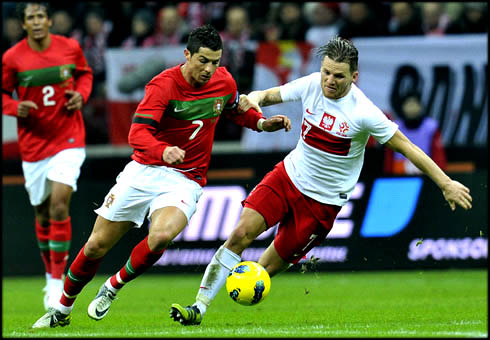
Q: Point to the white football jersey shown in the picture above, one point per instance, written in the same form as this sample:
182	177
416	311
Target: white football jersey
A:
327	161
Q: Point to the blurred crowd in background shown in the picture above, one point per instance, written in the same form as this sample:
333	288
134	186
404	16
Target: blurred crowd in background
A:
101	25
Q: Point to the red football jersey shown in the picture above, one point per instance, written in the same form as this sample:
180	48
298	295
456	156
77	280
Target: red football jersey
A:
43	77
173	113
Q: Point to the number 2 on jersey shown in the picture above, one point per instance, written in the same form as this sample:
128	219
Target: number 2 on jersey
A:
199	124
48	92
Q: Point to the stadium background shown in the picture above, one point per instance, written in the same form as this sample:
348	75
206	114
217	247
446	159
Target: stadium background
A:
390	223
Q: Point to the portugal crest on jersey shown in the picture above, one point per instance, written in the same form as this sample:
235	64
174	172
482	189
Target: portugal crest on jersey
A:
65	72
218	105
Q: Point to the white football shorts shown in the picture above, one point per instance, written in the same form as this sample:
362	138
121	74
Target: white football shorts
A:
64	167
141	189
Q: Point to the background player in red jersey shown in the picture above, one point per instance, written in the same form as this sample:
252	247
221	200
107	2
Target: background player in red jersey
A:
172	137
52	81
305	191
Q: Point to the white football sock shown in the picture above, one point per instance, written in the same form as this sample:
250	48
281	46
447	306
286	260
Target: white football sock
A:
109	285
62	308
55	291
215	277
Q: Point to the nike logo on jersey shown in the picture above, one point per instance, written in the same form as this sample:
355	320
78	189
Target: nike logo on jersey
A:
179	110
308	111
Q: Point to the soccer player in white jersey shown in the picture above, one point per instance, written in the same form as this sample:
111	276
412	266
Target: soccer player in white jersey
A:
306	190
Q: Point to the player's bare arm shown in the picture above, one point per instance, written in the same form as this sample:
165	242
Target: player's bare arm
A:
173	155
454	192
75	100
24	107
266	97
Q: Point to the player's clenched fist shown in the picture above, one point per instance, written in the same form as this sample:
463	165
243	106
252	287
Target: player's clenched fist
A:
173	155
24	107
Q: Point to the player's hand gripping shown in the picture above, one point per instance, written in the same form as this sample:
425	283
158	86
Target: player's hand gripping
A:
75	100
276	122
173	155
24	107
456	193
245	104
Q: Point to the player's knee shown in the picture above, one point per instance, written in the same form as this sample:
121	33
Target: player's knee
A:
159	240
58	211
95	248
242	236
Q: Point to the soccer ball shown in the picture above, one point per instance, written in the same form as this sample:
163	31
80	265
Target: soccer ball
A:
248	283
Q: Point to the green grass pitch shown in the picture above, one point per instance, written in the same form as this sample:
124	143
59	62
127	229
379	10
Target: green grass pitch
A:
442	303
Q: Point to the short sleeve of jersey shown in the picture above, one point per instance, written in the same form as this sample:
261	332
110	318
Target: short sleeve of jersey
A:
378	125
294	90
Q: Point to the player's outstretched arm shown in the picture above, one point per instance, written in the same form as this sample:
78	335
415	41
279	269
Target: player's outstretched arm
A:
454	192
266	97
255	99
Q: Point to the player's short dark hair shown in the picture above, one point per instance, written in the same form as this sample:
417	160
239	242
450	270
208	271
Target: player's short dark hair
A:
204	36
340	50
21	9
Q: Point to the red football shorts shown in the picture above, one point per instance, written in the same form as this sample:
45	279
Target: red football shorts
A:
303	222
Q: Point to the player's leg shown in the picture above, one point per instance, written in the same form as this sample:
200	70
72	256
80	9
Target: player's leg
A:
250	225
173	202
42	228
59	236
62	172
104	236
264	207
166	224
272	261
38	189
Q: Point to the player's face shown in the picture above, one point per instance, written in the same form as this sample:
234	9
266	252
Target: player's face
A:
336	78
36	22
202	65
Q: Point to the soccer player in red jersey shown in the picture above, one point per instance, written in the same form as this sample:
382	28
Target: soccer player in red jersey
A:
172	137
52	80
305	191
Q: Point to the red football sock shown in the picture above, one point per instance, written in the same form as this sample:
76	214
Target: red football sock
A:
140	260
81	272
42	234
59	245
